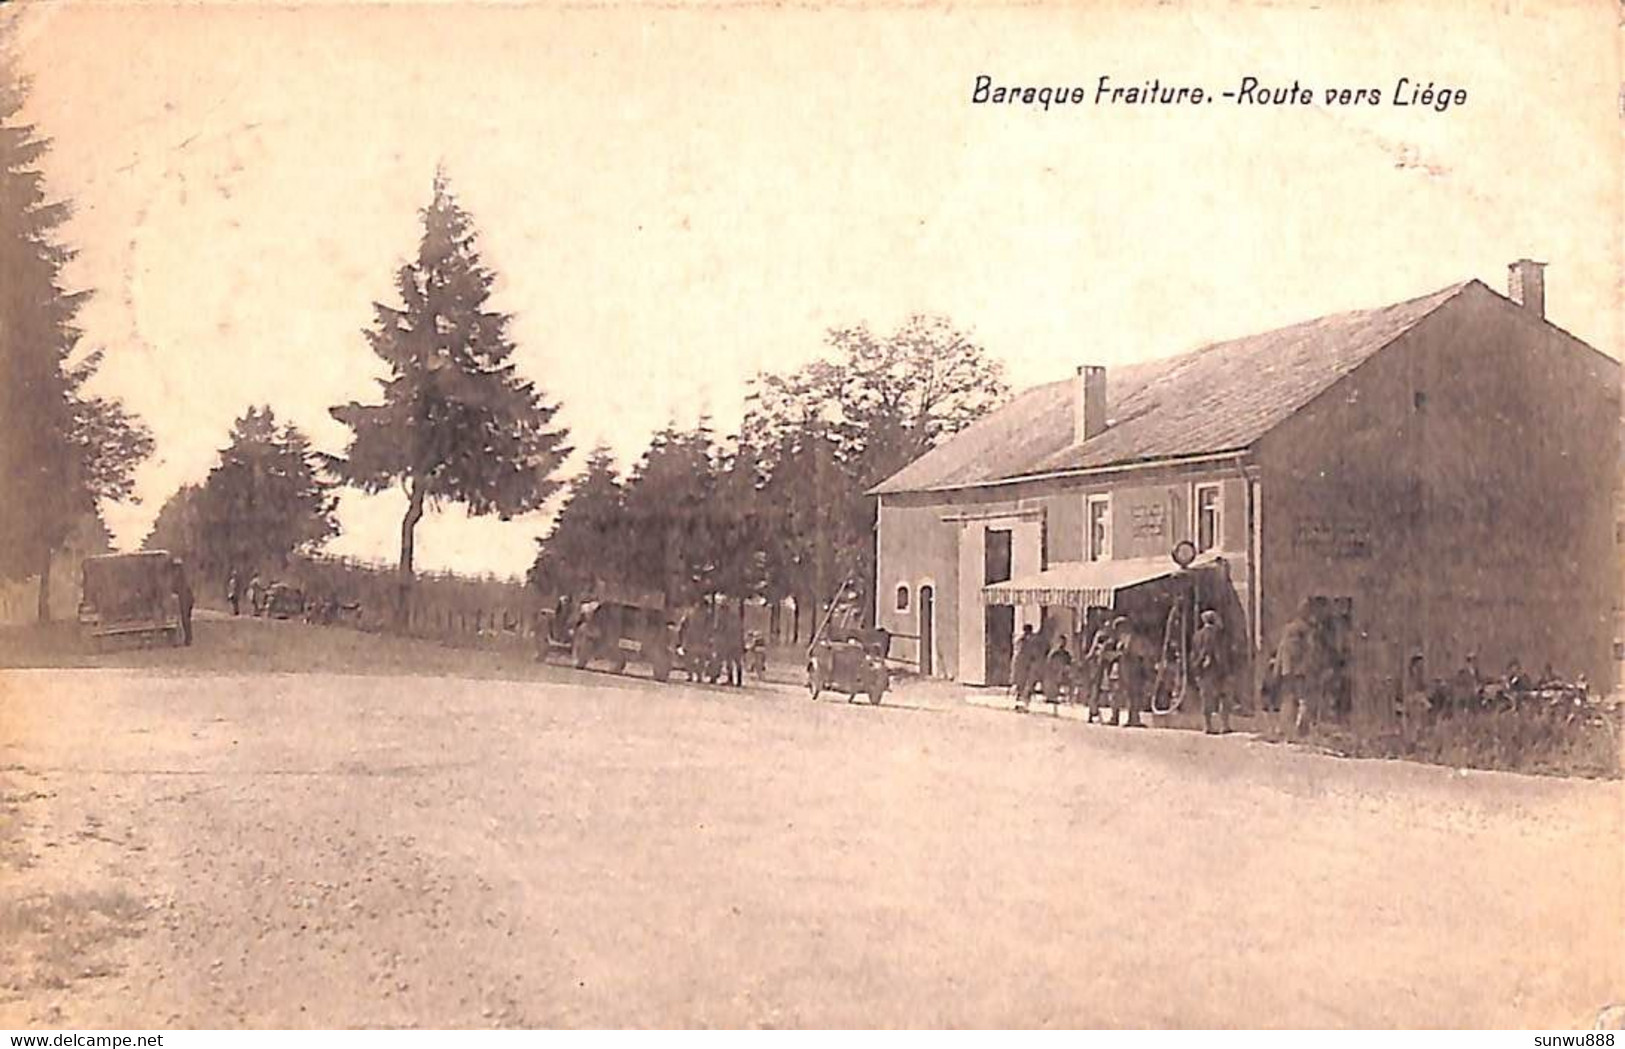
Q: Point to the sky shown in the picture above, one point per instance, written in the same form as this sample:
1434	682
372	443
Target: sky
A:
676	197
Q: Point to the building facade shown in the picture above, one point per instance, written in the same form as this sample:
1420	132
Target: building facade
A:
1436	476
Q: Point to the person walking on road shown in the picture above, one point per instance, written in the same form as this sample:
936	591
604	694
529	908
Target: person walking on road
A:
234	591
1208	659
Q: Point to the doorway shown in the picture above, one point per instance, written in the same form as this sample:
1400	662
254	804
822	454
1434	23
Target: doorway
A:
1000	638
1001	641
928	629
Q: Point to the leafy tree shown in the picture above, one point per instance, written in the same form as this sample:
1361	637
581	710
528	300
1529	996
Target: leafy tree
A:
62	449
588	538
842	424
456	423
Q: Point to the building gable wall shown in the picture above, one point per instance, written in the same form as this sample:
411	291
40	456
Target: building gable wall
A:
1455	487
1521	435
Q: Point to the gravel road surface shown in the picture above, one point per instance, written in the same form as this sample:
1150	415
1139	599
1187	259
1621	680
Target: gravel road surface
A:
269	849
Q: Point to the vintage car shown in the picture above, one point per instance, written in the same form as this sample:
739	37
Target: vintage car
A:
284	601
131	595
851	662
615	625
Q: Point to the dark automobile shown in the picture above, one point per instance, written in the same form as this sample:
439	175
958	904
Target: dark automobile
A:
616	625
851	662
130	595
284	601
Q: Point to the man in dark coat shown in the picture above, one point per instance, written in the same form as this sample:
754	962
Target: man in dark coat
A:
1129	652
731	645
183	592
1209	660
1024	665
1057	670
234	591
1097	665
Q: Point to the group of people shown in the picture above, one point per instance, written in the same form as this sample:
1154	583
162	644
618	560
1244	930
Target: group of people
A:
1469	691
255	593
262	598
710	644
1117	666
1299	677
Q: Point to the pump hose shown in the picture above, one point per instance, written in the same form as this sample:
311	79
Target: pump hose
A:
1174	623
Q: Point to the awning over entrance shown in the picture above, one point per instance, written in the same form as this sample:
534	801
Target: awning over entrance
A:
1079	584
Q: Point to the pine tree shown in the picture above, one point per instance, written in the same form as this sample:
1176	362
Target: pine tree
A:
457	423
588	539
60	449
265	500
177	529
671	545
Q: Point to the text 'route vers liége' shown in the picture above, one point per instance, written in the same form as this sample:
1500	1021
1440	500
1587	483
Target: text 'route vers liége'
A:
1251	91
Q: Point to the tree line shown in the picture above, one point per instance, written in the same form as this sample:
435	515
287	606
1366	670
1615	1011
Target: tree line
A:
778	510
775	510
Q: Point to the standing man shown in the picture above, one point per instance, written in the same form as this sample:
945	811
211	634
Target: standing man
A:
183	592
1023	666
1057	670
731	635
1208	658
1297	673
1097	666
234	590
256	594
1130	673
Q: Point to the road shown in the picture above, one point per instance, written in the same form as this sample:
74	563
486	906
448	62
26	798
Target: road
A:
548	848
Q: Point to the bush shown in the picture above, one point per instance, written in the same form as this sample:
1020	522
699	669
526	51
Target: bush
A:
1543	739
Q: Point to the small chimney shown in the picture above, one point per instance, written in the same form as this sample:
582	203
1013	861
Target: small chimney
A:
1088	403
1526	285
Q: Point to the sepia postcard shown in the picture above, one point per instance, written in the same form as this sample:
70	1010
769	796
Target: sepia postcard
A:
1086	515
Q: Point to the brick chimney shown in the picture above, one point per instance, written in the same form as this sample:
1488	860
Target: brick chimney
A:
1526	285
1088	403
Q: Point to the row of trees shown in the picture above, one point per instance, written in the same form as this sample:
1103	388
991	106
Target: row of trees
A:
62	448
779	509
266	499
775	510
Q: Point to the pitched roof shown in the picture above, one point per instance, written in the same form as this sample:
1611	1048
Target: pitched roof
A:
1220	398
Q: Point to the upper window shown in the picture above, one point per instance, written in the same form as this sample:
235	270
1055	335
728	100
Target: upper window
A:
1099	518
1209	517
902	599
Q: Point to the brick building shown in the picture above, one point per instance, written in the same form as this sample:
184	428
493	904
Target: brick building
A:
1440	471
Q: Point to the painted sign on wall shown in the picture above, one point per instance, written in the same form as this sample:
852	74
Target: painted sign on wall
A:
1341	538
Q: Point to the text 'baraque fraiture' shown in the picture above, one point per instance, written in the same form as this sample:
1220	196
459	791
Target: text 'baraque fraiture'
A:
1251	91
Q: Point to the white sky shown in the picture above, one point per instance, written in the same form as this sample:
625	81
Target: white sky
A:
676	197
